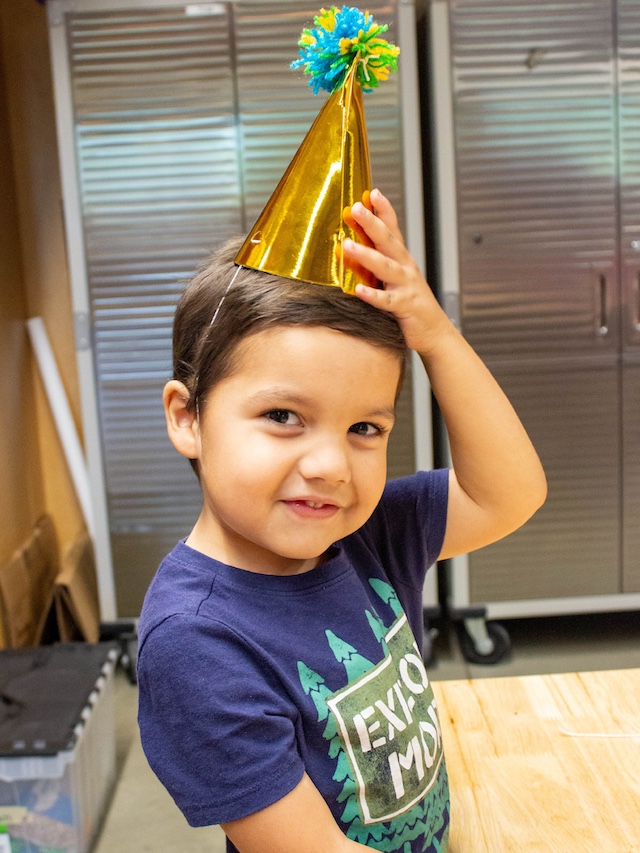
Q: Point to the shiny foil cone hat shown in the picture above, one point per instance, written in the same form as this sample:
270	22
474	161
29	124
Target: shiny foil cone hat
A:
300	232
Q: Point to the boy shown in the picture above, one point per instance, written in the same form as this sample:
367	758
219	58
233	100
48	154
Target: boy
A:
282	692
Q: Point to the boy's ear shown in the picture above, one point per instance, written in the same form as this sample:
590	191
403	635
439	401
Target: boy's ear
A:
182	425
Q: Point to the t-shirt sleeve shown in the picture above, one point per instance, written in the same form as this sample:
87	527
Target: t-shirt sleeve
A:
407	529
215	727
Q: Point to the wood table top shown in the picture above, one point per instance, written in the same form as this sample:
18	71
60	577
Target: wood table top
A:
543	762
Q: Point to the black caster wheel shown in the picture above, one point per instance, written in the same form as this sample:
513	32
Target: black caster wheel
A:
488	645
428	653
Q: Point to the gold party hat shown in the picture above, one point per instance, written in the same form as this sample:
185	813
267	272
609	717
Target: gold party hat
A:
300	232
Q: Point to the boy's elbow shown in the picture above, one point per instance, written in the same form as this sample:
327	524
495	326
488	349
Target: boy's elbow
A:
509	518
536	493
543	490
523	499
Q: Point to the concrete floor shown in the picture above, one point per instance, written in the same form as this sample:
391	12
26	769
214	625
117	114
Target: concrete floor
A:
142	818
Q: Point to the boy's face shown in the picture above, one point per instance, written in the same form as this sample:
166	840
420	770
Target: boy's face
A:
292	448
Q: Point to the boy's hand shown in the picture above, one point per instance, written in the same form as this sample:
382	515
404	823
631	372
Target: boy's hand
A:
405	292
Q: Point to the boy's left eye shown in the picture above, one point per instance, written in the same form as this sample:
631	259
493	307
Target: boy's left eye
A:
366	429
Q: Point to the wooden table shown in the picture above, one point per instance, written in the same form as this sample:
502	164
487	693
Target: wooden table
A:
518	783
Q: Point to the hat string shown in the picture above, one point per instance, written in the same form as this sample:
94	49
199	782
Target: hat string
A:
224	296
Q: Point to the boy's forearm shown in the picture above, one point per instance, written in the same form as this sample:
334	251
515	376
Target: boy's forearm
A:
498	479
300	821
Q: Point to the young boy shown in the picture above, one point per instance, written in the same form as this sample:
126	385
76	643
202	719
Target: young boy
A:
282	691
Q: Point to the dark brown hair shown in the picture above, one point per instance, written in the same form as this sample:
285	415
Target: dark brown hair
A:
204	352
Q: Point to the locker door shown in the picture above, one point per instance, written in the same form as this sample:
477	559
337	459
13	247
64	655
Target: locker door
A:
629	133
534	113
571	546
534	110
156	146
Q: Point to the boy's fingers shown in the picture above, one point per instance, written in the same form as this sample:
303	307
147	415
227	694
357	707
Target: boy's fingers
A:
350	222
387	240
362	273
384	210
382	252
384	300
382	265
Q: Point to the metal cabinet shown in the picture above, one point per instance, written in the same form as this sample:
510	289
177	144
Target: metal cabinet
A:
537	136
175	122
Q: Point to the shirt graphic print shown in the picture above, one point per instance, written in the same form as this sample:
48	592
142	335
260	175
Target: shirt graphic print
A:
384	734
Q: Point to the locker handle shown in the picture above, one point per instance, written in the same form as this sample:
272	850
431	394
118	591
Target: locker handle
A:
636	316
603	326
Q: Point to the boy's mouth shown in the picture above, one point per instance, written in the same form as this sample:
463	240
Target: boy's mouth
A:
312	508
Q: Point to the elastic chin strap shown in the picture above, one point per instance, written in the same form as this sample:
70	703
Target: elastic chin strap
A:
224	296
213	319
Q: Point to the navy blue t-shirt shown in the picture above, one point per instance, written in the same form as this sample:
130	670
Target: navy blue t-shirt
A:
247	680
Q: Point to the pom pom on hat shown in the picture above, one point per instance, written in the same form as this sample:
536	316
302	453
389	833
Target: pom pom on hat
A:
339	37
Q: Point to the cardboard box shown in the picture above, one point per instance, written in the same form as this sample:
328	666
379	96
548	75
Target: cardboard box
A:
53	799
44	599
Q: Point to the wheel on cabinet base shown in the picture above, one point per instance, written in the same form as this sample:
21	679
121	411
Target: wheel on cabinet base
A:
483	642
428	653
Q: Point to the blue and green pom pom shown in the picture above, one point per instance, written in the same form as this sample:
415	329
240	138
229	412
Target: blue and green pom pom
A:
338	39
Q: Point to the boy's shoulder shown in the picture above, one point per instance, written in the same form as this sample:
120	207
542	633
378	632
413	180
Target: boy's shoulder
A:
419	486
182	581
414	505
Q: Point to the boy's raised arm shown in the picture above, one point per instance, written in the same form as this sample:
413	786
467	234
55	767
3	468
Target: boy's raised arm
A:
497	481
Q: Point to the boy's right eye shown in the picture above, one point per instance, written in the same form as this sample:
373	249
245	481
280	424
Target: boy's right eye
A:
283	416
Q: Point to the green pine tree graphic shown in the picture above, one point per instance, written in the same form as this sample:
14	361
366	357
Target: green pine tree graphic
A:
422	820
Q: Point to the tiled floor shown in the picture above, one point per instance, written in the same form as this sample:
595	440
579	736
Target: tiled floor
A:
142	817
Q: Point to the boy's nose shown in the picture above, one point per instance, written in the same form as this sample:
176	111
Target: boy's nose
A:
327	459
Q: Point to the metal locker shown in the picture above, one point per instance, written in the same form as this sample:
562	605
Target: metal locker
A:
537	137
628	27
